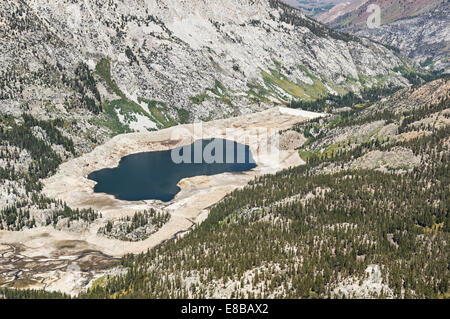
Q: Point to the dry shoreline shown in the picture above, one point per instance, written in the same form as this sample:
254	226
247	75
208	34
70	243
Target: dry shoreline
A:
191	204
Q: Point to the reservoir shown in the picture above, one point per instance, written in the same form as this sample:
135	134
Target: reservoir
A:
155	175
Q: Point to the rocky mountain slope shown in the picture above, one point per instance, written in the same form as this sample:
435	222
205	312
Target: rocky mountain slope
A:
424	38
419	28
136	65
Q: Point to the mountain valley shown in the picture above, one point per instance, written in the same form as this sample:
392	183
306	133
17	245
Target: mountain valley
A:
348	126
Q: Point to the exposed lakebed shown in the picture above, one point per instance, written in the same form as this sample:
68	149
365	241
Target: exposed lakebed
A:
155	175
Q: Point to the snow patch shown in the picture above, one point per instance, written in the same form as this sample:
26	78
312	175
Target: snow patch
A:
307	114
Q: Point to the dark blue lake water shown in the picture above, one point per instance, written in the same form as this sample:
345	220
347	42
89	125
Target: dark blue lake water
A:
155	175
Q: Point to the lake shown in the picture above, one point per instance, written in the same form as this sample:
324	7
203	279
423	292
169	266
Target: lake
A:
155	175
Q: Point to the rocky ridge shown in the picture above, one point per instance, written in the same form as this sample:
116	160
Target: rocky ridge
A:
419	29
424	38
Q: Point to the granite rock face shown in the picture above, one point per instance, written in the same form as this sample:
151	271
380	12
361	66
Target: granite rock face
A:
424	38
419	28
166	62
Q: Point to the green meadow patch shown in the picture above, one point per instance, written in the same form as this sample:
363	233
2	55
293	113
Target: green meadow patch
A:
127	107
